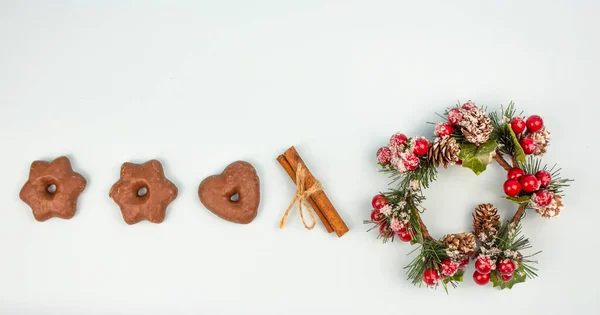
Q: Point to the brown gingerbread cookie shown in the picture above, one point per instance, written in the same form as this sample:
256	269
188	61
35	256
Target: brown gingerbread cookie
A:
143	192
52	189
238	179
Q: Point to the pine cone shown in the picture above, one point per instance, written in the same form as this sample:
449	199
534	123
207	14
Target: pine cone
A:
541	138
553	209
476	126
443	151
462	243
485	222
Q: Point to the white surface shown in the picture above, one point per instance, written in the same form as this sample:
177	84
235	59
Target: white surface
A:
198	85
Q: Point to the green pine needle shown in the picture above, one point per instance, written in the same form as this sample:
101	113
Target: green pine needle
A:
557	184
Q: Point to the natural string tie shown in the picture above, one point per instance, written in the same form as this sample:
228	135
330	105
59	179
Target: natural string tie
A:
301	196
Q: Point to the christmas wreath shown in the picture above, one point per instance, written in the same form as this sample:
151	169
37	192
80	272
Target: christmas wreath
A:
470	137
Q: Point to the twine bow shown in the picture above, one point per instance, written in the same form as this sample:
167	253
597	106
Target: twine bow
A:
301	196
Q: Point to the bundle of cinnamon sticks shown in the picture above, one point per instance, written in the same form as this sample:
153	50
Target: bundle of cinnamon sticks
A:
319	201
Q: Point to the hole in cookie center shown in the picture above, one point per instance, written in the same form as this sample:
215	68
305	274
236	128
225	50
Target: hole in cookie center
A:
235	197
51	189
142	191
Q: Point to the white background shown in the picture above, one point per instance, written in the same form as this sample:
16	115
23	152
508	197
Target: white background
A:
201	84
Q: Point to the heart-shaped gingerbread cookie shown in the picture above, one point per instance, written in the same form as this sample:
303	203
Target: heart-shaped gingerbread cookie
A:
217	193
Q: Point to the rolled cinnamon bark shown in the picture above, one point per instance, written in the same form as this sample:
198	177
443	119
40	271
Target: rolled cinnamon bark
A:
292	173
319	198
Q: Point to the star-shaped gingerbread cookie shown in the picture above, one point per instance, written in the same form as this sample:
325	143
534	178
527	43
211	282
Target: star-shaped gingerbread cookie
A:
143	192
52	189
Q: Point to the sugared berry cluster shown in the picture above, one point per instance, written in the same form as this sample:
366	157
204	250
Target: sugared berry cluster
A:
391	219
447	269
402	153
485	267
518	184
524	129
455	117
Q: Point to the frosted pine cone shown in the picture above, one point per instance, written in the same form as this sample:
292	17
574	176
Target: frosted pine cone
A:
459	244
443	151
476	125
541	138
485	222
553	209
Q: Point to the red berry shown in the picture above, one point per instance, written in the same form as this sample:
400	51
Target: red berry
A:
405	236
420	146
544	177
379	201
448	268
515	173
517	124
512	187
459	162
506	278
377	216
528	144
529	183
507	266
464	263
443	129
455	116
481	278
384	155
410	161
542	198
534	123
483	265
469	105
398	226
398	139
431	277
400	229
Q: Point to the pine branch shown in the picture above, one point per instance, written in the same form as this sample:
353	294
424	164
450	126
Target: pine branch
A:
423	175
392	173
430	256
503	134
534	165
510	238
413	201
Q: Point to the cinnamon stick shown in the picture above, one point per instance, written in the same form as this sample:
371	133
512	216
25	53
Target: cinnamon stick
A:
319	198
288	169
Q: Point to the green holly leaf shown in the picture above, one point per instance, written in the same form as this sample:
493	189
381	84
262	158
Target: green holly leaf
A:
457	277
521	200
475	157
518	277
519	153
